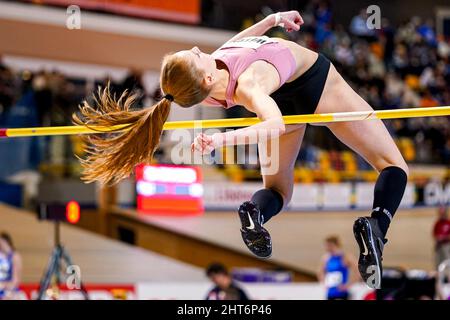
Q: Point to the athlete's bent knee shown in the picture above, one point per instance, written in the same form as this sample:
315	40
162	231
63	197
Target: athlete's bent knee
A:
286	193
401	165
287	196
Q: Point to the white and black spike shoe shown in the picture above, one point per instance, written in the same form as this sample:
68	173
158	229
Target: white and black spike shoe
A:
371	242
255	236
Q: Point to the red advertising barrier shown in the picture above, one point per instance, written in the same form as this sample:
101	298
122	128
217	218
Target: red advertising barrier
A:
186	11
169	190
95	291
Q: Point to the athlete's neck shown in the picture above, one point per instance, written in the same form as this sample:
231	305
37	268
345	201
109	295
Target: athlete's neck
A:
220	85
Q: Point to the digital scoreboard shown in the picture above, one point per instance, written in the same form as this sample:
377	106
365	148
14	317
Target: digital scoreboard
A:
169	189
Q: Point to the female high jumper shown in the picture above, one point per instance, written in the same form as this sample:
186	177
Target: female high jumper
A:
271	77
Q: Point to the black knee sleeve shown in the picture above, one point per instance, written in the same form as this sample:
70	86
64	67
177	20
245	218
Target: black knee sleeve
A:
269	202
388	194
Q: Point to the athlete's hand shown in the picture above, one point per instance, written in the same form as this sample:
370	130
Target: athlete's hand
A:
205	144
289	20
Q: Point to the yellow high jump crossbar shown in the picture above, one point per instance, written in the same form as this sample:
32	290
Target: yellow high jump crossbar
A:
238	122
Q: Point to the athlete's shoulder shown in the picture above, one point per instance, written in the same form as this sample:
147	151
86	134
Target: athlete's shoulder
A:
348	259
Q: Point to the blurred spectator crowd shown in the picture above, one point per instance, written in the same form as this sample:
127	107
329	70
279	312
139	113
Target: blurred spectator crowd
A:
390	67
48	98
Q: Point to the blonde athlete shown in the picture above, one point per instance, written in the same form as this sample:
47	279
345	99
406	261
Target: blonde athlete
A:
271	77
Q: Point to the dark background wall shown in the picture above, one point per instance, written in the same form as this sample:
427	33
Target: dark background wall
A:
230	13
395	10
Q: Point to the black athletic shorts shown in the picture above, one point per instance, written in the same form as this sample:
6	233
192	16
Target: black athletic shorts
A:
302	95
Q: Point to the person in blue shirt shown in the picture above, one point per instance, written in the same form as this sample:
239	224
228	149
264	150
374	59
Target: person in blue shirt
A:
337	269
10	268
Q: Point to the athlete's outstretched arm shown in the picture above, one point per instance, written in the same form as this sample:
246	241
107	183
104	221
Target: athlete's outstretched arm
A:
352	264
256	99
291	20
270	127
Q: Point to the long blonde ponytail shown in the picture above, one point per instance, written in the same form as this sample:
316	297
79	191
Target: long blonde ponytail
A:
113	156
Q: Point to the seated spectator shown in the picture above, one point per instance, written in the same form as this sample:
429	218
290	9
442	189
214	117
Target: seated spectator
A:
427	32
358	25
10	268
344	53
441	235
428	100
225	288
443	47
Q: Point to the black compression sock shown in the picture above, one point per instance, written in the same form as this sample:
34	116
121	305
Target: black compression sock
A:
389	190
269	203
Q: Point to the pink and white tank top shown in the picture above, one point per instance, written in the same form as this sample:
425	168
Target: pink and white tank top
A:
238	55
